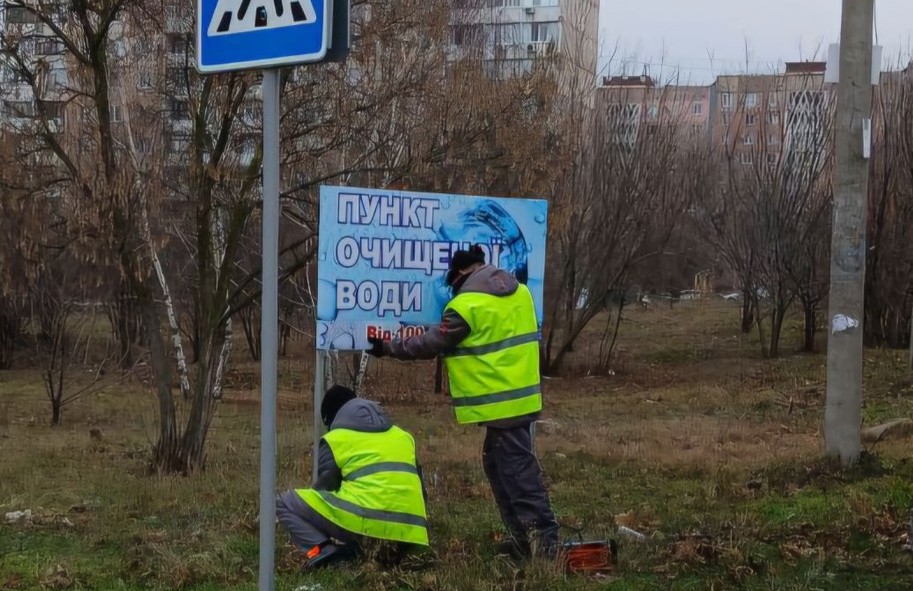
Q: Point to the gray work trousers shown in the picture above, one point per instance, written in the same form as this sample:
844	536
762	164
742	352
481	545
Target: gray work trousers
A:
306	527
516	482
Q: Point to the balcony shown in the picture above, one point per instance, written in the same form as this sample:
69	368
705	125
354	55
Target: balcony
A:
538	49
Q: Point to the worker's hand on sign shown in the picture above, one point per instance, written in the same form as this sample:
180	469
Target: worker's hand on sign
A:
377	347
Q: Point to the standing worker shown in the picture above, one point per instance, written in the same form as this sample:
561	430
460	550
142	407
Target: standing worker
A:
489	338
368	485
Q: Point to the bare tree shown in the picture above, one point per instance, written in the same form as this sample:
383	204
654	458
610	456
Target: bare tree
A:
635	177
159	168
767	217
889	264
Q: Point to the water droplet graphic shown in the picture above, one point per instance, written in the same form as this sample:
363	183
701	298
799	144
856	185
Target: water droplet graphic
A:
323	256
540	218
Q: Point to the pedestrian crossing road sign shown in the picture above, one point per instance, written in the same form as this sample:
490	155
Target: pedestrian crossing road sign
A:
248	34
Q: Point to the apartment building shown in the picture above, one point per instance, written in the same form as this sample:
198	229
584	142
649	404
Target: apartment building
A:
634	103
150	74
41	53
766	116
510	36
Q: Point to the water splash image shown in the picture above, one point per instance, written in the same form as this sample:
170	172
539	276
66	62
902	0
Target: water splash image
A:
485	223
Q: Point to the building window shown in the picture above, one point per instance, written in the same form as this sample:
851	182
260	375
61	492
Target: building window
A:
19	15
143	46
53	110
117	113
57	78
505	34
180	144
48	47
177	44
773	118
11	75
146	80
727	118
726	99
773	139
696	129
751	100
751	119
772	100
772	159
726	139
174	11
746	158
144	146
180	111
500	3
463	35
653	112
748	139
21	108
697	109
544	32
176	76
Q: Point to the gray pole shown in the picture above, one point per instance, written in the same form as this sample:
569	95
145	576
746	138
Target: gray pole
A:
269	330
320	387
910	363
843	413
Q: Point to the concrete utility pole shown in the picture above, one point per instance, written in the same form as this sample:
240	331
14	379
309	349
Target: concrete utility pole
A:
843	415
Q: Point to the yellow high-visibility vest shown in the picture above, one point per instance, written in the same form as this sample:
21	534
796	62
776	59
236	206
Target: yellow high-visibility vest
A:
381	491
494	372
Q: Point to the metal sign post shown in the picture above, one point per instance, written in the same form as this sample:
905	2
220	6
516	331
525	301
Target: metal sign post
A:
234	35
269	336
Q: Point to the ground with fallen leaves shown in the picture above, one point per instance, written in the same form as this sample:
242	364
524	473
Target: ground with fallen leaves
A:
693	440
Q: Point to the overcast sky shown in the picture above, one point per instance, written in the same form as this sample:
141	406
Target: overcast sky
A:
705	38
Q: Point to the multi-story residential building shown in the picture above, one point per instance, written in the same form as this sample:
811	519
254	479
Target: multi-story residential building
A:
150	76
45	55
633	102
511	35
747	116
764	116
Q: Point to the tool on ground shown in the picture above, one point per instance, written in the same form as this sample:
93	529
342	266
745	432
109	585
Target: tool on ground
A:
589	558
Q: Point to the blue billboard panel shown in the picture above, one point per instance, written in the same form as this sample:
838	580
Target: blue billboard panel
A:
383	256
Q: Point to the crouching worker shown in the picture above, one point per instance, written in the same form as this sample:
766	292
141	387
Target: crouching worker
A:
368	485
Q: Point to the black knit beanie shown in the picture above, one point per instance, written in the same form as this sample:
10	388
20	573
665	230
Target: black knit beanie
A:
463	259
333	400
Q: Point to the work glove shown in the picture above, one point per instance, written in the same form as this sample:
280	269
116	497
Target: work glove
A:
377	347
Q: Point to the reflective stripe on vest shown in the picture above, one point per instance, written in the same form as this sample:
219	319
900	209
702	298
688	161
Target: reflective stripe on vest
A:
381	493
494	372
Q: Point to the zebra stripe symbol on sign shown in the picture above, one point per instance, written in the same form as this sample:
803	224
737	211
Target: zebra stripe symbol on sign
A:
242	16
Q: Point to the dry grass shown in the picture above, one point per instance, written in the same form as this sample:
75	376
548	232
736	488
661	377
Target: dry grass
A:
696	441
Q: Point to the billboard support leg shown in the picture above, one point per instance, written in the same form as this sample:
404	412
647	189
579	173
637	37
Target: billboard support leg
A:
321	384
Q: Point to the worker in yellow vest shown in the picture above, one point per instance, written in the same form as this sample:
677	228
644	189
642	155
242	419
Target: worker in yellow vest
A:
368	485
489	339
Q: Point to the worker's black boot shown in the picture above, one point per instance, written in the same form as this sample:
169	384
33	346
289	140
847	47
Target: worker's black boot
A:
516	549
331	554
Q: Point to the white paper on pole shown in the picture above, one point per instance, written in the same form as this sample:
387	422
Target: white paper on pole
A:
866	138
832	73
877	52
